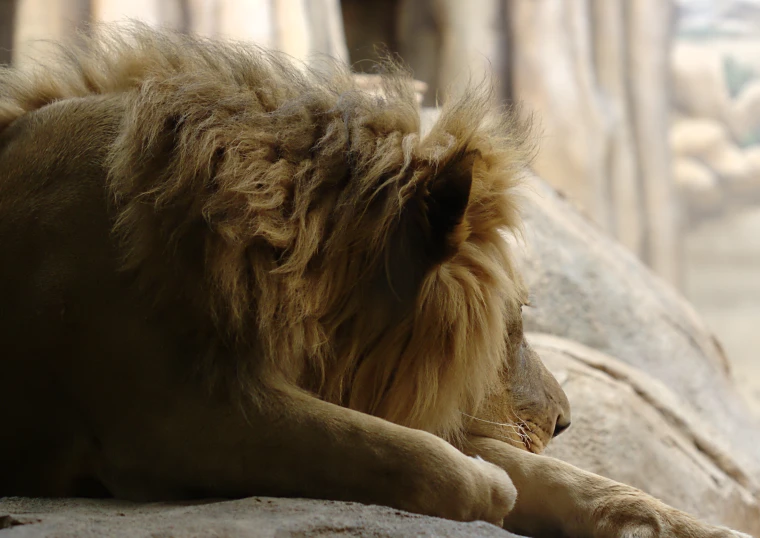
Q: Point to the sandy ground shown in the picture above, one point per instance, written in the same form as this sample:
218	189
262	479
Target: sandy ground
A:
723	282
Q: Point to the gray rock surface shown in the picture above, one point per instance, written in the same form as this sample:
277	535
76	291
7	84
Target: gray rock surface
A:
722	280
587	288
252	517
630	427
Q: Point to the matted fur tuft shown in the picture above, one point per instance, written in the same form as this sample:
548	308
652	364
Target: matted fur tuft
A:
305	218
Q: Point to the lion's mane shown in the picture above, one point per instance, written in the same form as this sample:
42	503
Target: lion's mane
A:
283	204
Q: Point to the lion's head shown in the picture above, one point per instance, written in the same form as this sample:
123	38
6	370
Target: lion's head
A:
327	241
530	406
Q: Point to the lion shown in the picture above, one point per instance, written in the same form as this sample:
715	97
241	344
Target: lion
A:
225	275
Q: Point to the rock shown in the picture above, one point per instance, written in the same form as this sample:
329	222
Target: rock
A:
255	516
699	85
697	183
752	159
724	256
695	137
630	427
728	162
709	142
633	429
744	114
586	287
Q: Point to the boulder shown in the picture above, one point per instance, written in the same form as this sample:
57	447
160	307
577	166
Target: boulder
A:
698	82
696	137
630	427
750	182
256	516
729	162
744	114
724	256
588	288
709	142
698	185
708	161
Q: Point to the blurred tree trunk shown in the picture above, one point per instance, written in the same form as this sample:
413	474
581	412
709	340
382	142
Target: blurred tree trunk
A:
419	43
595	72
149	11
553	76
304	29
611	60
472	45
649	43
38	21
7	17
451	44
235	19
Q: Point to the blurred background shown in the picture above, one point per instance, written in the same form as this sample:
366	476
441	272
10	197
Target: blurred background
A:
648	110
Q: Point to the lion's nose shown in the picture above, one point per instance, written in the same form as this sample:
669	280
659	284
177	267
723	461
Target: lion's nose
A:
563	411
561	425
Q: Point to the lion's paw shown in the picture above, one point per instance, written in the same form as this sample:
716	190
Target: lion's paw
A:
648	518
689	531
496	494
462	489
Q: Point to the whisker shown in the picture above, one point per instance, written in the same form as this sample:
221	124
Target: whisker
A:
505	438
505	424
520	429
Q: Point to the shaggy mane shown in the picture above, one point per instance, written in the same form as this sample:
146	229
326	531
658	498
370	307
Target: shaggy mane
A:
275	197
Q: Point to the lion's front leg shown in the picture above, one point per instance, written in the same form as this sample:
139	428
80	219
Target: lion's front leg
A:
287	443
555	498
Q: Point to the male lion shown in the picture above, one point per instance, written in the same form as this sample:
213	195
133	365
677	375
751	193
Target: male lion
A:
225	276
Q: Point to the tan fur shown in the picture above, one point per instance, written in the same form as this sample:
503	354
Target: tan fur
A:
225	275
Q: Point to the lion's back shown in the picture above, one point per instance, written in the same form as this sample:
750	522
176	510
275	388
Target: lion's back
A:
72	329
54	244
55	218
52	175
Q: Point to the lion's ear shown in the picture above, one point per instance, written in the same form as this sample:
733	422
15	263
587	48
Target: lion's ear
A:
446	200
